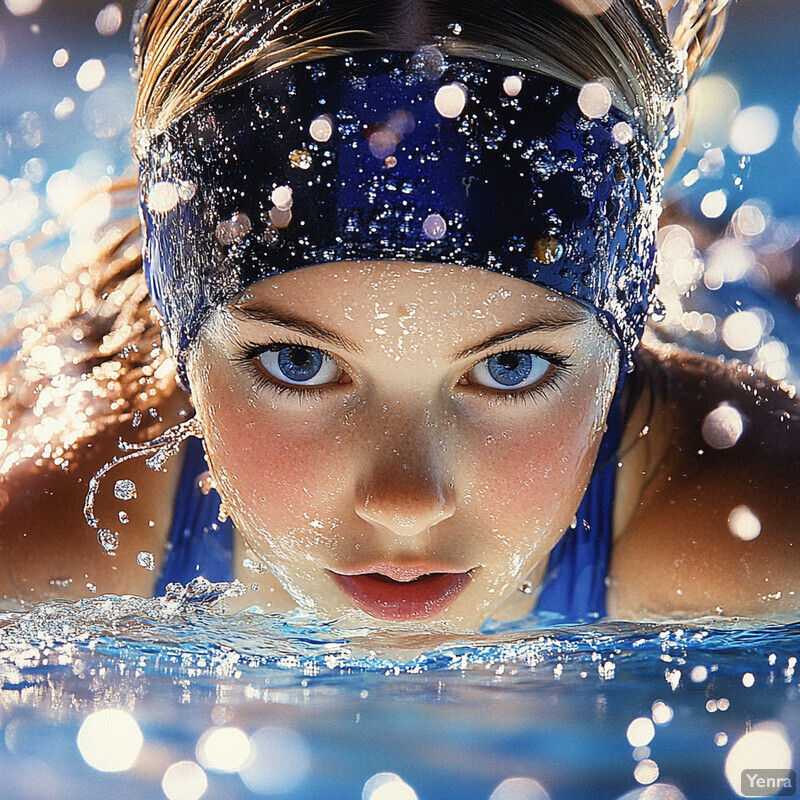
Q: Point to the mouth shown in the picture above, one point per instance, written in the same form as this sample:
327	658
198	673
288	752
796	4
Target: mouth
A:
400	593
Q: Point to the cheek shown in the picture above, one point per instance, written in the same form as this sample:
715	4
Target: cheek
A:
278	469
532	473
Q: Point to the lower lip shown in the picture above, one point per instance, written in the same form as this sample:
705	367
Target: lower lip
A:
388	599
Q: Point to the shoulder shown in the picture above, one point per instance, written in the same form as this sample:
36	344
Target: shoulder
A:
711	501
48	550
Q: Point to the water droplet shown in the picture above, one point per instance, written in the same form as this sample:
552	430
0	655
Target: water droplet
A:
162	197
282	198
547	250
205	482
125	490
428	61
109	540
434	226
223	513
512	85
146	560
594	100
450	100
722	427
300	159
233	230
623	132
321	128
526	587
123	518
280	218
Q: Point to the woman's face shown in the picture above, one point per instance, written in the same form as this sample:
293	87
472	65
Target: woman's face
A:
406	439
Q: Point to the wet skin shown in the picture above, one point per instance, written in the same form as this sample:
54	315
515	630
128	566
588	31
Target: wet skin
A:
403	456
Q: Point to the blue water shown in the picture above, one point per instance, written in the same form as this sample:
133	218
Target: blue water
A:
452	716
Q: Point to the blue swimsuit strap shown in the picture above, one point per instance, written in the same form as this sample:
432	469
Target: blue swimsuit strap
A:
199	544
575	583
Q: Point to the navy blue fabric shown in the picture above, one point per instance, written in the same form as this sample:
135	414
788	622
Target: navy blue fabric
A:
574	585
526	185
199	544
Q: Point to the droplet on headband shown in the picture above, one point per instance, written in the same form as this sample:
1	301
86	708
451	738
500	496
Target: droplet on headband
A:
162	197
186	190
434	226
622	132
280	218
146	560
300	159
390	162
234	229
450	100
321	128
594	100
125	490
512	85
383	141
109	540
282	198
428	61
547	250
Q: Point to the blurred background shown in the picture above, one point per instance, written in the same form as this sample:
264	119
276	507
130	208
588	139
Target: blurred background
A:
730	260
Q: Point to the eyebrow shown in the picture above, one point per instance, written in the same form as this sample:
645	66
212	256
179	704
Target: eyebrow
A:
546	323
271	316
260	313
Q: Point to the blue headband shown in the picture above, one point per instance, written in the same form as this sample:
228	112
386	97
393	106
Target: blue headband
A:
388	156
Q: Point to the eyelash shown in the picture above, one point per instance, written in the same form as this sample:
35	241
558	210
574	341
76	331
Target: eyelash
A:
248	352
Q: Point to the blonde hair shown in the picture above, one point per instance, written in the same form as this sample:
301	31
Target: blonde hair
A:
190	50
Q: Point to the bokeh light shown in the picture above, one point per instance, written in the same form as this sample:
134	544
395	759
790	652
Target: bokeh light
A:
744	524
742	330
714	104
279	761
387	786
110	740
109	19
594	99
450	100
91	75
184	780
519	789
20	8
223	749
754	130
646	771
640	732
722	427
661	712
764	747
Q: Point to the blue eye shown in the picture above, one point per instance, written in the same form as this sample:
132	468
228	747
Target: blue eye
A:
295	364
516	369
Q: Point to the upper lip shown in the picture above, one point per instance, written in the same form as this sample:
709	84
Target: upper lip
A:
403	573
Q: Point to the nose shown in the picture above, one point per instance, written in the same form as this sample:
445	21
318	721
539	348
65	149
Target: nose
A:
406	491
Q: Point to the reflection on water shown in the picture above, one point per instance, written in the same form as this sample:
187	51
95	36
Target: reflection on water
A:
173	697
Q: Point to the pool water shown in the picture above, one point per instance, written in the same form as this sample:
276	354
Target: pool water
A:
173	697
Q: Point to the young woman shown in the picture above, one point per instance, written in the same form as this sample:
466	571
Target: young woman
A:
403	256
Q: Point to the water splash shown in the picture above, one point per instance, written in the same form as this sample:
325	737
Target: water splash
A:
157	452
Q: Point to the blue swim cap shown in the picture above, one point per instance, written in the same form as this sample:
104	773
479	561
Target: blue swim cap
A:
399	156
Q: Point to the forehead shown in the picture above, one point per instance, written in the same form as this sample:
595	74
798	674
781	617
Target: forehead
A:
360	291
